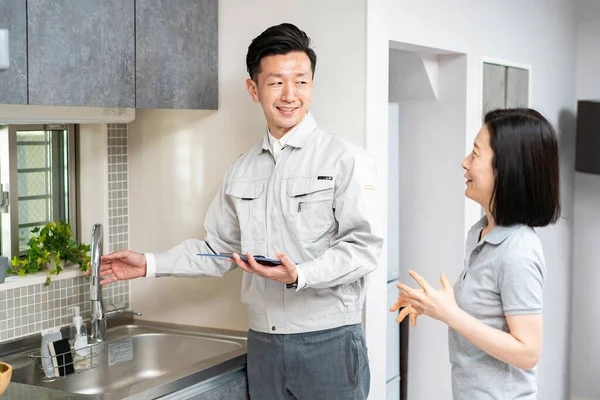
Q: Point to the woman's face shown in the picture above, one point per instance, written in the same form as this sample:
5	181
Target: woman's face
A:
479	171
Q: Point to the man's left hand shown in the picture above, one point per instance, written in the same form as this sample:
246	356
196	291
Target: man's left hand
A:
284	273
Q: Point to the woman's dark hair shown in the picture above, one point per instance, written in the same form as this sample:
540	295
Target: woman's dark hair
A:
526	168
278	40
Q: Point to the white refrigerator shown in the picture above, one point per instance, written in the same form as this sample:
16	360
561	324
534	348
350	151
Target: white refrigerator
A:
393	347
393	273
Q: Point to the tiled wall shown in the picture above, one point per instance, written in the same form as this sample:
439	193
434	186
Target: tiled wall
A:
30	309
118	211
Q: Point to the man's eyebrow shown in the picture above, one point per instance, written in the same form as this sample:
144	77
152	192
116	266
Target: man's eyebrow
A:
278	75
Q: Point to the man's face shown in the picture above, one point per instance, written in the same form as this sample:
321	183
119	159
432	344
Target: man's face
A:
284	90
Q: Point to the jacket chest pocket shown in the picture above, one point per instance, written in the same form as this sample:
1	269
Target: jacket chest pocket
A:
250	207
311	207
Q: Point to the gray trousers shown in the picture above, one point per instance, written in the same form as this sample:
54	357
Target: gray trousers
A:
330	364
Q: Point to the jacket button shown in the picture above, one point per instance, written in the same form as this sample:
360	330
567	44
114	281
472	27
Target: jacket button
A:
273	328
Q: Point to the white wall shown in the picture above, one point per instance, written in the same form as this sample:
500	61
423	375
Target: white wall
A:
178	158
92	178
541	35
585	327
431	211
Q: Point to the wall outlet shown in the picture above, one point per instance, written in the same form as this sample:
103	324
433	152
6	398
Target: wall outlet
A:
4	60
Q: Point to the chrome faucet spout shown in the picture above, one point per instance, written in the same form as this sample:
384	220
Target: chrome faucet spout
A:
98	331
99	313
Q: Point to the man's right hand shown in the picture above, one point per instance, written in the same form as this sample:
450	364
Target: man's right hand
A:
121	265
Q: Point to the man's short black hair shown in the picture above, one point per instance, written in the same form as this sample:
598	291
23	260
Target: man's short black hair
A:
278	40
526	168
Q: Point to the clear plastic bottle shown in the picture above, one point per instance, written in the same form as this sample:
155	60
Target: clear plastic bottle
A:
78	339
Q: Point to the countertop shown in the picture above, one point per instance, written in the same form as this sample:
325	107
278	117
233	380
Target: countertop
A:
207	372
19	391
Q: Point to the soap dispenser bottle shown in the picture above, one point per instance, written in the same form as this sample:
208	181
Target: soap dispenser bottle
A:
79	339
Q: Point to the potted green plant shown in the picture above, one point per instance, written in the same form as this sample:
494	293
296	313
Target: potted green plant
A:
49	250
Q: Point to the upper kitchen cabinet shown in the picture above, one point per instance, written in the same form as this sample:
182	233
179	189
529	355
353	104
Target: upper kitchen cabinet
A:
81	52
13	81
176	54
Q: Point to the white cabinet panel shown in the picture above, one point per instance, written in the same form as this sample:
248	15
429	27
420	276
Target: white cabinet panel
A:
393	239
393	335
392	390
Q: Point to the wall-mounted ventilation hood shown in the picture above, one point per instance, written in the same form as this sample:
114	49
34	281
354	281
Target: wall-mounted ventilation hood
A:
27	114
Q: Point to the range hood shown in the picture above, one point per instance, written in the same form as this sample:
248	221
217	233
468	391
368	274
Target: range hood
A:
28	114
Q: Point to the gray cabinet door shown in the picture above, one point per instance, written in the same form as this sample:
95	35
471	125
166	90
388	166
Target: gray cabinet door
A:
517	87
176	54
494	87
81	52
13	81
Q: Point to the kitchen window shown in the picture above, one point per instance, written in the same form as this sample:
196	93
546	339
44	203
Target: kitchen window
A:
37	172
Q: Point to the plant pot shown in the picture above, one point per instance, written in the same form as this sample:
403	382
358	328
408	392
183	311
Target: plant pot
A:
51	264
4	262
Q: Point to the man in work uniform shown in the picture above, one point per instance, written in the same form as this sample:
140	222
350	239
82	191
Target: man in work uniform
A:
306	197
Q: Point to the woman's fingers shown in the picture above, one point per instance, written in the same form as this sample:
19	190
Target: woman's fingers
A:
401	302
411	293
405	311
445	282
413	318
421	281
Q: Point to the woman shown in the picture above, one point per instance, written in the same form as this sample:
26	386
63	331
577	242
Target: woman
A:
494	311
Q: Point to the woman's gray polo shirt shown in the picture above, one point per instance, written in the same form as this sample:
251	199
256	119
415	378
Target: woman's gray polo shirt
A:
503	275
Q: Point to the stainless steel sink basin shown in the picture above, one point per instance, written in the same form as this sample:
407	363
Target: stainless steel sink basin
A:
146	360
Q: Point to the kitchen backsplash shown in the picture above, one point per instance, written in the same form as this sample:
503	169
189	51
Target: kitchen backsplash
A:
118	199
28	310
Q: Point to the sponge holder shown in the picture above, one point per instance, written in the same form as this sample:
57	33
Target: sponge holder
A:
80	363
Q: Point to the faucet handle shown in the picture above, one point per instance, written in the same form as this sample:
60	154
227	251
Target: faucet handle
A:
121	310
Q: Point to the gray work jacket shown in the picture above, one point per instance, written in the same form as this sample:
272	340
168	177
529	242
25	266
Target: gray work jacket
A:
317	204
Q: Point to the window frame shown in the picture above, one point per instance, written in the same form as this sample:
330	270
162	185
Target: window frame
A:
9	222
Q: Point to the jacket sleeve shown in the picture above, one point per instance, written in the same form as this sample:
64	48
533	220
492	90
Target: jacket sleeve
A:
357	244
222	236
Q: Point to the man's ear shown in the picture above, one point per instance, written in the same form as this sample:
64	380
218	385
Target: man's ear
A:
252	89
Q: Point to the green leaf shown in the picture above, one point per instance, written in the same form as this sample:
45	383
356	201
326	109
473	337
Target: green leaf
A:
52	240
9	271
47	281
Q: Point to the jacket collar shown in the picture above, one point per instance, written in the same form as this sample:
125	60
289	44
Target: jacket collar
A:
301	134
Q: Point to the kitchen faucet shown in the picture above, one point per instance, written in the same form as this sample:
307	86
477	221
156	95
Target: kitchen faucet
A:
99	314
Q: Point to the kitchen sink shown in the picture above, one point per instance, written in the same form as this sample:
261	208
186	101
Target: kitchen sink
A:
143	360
